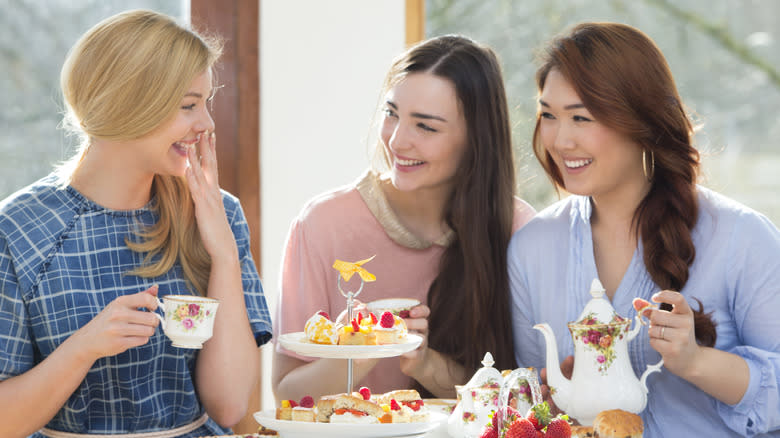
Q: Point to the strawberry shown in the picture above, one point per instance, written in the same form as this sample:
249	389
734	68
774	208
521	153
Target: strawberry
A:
394	405
489	432
558	428
307	402
388	320
539	415
359	317
373	318
404	314
323	313
293	404
365	392
355	325
540	434
511	415
521	428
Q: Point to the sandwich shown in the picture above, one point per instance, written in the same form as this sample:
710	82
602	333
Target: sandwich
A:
406	406
347	408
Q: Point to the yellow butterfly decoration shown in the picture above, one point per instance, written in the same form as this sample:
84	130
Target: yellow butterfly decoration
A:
348	269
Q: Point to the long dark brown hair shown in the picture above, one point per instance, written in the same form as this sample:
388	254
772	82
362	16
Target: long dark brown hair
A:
470	296
624	81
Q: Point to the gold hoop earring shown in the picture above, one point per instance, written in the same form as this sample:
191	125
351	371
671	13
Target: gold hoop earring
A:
651	173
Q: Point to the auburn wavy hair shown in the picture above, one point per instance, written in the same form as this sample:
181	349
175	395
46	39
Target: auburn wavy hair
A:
470	294
624	80
123	79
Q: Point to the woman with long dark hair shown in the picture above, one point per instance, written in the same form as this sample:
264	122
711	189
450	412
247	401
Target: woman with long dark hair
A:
437	213
612	131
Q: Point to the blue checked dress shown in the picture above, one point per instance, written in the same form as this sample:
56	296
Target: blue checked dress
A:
63	258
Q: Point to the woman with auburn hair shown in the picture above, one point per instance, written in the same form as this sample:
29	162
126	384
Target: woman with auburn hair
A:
135	213
612	130
437	213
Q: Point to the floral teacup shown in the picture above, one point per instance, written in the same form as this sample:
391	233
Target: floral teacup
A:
189	319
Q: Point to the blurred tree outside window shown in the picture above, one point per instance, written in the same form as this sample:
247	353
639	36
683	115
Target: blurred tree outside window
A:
35	37
723	53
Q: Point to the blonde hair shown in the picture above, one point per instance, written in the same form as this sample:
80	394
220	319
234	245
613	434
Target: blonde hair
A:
125	77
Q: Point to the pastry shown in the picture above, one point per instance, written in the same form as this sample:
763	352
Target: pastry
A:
319	329
390	329
582	432
360	331
406	406
284	411
617	423
299	413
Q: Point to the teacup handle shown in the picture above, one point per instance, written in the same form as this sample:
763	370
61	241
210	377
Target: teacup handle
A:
160	309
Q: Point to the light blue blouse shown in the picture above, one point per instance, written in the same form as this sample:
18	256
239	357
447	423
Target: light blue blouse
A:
736	275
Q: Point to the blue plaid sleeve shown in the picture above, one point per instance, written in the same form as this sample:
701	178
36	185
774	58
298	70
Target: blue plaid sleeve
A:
16	351
256	305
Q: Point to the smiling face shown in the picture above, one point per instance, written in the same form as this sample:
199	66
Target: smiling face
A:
592	158
164	150
424	133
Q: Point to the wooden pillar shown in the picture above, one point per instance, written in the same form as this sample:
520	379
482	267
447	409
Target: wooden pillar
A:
236	112
415	21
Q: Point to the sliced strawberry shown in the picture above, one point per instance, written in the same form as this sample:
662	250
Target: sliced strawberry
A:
293	403
355	326
323	313
394	405
373	318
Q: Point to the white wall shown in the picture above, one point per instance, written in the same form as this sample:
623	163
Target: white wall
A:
322	64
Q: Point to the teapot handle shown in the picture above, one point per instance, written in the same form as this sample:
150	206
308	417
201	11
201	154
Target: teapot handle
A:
650	369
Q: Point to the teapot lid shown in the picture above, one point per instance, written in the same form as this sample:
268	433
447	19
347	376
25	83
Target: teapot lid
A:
598	310
485	376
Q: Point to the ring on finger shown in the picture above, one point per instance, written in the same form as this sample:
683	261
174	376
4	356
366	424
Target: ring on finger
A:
662	331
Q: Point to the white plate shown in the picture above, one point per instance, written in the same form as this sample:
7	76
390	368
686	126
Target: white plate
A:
297	343
394	305
301	429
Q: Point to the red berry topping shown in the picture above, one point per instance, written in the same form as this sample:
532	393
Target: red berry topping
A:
323	313
388	320
403	314
373	317
365	392
359	317
355	326
307	402
394	405
293	404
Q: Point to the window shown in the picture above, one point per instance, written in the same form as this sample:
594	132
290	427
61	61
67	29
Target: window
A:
723	55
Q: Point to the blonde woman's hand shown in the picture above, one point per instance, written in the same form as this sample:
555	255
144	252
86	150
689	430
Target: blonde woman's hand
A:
120	325
413	362
210	215
672	333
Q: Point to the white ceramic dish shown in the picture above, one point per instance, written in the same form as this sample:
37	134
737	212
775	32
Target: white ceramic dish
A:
300	429
394	305
296	342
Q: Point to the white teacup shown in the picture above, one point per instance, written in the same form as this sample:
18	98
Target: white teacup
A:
189	319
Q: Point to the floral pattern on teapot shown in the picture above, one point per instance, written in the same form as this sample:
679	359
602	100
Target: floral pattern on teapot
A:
600	337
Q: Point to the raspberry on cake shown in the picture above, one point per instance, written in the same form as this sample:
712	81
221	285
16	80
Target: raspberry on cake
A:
319	329
390	329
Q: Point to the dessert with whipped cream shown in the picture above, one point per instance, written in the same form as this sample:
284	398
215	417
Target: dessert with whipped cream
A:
390	329
319	329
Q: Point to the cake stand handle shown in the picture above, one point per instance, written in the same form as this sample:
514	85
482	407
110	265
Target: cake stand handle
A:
350	304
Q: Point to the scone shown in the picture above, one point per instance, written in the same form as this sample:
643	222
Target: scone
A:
582	432
408	407
617	423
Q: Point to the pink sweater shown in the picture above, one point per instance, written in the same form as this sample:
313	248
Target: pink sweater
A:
340	225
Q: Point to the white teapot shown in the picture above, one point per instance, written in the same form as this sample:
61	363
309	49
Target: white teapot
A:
488	390
602	377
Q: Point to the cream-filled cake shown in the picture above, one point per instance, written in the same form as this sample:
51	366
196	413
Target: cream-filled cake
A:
320	329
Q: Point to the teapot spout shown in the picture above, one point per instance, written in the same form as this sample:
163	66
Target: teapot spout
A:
560	386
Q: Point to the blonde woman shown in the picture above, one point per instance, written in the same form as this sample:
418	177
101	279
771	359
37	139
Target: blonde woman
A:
136	213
